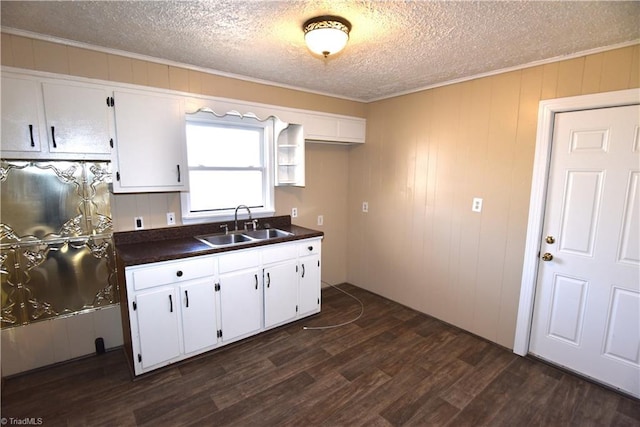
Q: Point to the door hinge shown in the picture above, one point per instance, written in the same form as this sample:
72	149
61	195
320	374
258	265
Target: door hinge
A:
118	176
318	301
139	358
296	268
217	287
135	306
296	308
219	333
318	263
111	142
110	101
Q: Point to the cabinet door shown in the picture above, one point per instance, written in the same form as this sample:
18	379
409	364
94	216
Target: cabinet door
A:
77	118
157	315
309	285
21	115
151	142
240	303
199	329
280	293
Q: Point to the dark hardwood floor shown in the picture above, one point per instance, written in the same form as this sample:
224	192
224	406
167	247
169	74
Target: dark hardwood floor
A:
392	367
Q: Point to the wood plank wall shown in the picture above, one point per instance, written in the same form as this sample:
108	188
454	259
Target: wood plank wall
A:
427	156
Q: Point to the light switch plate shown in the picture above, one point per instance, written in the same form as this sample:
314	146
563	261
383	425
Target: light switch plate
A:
138	223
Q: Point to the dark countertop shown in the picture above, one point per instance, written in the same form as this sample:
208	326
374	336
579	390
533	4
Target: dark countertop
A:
163	244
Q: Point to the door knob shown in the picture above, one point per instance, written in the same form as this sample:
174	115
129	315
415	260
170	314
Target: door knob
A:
547	256
550	239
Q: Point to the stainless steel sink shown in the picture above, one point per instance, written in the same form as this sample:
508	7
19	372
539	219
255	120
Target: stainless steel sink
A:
267	233
243	237
224	239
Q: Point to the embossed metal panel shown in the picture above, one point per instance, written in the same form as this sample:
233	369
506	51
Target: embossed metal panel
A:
55	239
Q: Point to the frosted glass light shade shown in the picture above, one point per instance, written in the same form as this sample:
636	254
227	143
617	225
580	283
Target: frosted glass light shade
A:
326	35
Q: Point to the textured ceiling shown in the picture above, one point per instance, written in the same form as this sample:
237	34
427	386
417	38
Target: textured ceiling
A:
395	46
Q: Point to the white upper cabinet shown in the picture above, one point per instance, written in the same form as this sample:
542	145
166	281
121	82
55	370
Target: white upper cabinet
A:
77	118
46	119
150	143
22	115
333	128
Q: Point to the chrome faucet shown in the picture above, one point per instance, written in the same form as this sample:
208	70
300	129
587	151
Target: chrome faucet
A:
235	217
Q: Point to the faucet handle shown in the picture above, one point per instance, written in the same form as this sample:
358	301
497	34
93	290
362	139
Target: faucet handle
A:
225	227
255	224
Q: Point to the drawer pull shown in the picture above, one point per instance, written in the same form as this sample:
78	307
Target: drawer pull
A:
179	273
310	248
33	144
53	136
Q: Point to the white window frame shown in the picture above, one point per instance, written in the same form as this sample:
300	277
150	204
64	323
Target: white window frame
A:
207	116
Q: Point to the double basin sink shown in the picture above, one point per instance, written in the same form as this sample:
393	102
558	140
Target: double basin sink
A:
241	237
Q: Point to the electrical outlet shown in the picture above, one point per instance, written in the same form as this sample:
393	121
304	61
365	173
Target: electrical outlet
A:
365	207
320	219
171	218
138	223
476	206
294	212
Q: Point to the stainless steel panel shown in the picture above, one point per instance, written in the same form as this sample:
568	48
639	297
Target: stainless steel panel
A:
56	250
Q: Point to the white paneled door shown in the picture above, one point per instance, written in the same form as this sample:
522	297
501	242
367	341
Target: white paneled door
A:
587	306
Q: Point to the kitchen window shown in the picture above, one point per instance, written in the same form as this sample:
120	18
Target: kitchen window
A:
229	164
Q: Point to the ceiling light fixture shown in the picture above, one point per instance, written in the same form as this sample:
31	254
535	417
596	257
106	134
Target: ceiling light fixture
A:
326	35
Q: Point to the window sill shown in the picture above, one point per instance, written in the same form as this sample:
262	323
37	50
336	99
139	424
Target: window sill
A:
197	218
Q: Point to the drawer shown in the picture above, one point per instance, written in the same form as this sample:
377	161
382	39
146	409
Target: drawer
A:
309	247
279	252
157	274
239	260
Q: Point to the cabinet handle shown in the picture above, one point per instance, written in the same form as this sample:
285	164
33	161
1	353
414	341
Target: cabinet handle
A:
302	270
256	276
178	166
268	280
33	144
186	294
179	273
53	136
170	304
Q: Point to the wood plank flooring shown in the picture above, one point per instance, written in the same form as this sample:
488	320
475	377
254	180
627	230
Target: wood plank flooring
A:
392	367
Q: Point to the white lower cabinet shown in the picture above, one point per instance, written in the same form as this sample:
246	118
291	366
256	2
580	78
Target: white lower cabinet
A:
158	326
280	293
310	278
180	308
240	304
198	307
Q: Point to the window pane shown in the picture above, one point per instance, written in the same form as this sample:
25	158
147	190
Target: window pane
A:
223	146
212	190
